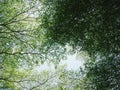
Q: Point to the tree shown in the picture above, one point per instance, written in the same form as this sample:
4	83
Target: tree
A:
92	26
83	23
18	40
21	43
34	31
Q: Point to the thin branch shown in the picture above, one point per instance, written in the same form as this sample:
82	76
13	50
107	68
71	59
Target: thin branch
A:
21	53
15	21
43	82
13	31
13	18
14	81
21	32
4	25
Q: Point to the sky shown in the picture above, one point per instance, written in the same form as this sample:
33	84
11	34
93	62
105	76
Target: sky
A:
71	63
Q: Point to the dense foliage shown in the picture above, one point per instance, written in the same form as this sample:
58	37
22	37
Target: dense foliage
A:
92	26
35	31
21	43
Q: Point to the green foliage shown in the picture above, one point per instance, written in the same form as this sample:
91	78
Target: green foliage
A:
91	26
27	39
17	41
104	74
21	44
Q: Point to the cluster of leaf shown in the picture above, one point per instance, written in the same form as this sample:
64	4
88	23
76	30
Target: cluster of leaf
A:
21	40
93	26
18	40
86	25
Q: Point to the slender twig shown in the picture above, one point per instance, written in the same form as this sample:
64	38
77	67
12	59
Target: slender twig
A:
43	82
21	53
13	18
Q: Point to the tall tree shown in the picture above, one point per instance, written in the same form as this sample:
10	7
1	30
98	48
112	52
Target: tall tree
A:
21	42
18	39
92	26
86	25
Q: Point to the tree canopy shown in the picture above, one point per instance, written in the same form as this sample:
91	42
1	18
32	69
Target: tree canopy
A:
92	26
35	31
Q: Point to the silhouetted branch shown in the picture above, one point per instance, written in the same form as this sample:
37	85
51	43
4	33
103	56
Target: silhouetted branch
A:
40	84
13	18
20	53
